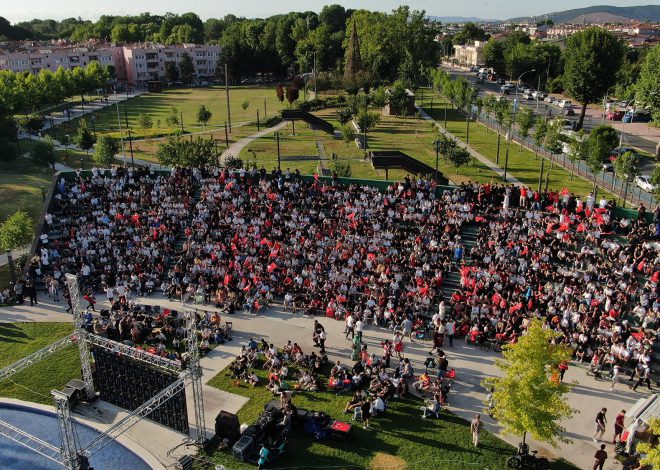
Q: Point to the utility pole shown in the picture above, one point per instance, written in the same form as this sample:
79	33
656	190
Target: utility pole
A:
506	157
227	90
265	113
182	131
258	126
437	157
314	71
445	115
541	173
126	116
497	158
130	143
277	136
226	136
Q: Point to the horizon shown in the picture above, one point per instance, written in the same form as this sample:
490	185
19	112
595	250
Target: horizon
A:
483	9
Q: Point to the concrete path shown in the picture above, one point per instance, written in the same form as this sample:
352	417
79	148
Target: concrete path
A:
466	398
16	254
491	166
235	149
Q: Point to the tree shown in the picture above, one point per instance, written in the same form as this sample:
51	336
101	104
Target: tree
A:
651	452
494	56
203	115
626	167
591	61
172	118
16	231
647	90
540	132
279	90
292	94
378	98
171	72
343	169
459	156
106	149
344	115
43	153
144	121
398	98
367	121
31	124
529	398
502	112
655	181
602	140
245	105
347	133
578	147
84	138
186	69
526	119
553	142
177	151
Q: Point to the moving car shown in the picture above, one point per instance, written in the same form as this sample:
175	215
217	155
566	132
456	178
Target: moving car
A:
614	115
500	81
527	96
549	99
636	116
568	112
539	95
644	182
507	87
563	104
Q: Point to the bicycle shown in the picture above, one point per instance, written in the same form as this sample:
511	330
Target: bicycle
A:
526	460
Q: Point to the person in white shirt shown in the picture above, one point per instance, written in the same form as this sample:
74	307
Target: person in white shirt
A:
350	326
359	327
450	328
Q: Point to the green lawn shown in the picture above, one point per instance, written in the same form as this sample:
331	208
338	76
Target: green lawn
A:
399	439
522	163
18	340
187	101
21	185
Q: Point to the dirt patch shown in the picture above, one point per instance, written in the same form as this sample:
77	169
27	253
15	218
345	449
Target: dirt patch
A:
386	462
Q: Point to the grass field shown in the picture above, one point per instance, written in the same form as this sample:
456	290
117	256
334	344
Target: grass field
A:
413	137
522	164
187	101
21	185
398	439
18	340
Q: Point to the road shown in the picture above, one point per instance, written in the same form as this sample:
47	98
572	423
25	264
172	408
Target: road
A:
638	135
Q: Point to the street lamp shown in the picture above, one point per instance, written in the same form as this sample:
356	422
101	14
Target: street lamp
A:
506	158
623	123
121	133
519	78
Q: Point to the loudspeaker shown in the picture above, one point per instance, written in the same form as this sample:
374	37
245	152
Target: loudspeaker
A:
227	426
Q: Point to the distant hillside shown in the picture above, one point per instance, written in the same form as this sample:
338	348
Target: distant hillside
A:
601	17
640	13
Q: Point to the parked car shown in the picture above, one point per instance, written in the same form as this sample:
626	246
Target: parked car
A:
563	104
644	182
527	96
608	167
549	99
539	95
506	86
474	69
568	112
505	91
636	116
500	81
614	115
621	150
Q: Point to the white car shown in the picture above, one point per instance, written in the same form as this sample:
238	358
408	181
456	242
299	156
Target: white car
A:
549	99
644	182
538	95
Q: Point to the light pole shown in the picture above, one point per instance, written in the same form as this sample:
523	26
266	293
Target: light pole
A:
518	81
623	124
506	158
121	133
314	72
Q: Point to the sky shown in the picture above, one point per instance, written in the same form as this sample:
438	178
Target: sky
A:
91	9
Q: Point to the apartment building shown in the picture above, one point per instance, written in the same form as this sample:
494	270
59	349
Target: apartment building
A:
469	54
135	64
35	56
138	64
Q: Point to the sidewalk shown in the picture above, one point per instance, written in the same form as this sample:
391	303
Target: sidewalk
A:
16	254
235	149
485	161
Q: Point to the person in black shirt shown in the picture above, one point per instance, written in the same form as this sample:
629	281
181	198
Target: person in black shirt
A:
601	420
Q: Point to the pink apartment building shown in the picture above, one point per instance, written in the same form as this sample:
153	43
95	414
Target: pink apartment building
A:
134	64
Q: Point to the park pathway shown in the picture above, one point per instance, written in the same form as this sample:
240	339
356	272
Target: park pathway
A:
489	164
235	149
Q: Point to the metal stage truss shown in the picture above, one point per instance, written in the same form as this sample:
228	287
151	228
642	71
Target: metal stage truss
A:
71	454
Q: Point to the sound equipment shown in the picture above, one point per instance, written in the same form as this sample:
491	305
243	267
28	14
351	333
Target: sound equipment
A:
227	426
243	448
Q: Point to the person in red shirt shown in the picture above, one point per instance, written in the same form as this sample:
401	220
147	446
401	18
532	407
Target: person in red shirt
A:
618	426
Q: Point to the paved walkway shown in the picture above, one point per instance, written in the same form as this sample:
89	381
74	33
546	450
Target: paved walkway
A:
16	254
492	166
235	149
466	398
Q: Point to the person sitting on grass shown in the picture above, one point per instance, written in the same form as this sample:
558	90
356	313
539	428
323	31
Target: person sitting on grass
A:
433	408
356	401
423	384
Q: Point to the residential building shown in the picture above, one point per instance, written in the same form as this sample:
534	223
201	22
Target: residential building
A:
138	64
469	54
32	56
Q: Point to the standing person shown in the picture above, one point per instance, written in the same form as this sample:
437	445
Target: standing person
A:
407	329
398	345
438	338
600	457
616	370
601	420
18	290
618	425
322	336
366	412
644	376
31	291
563	367
350	326
317	329
450	328
359	327
475	426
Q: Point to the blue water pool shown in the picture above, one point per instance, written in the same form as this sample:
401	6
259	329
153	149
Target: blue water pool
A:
43	425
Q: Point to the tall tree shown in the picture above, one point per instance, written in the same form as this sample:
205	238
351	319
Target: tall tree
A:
648	86
186	69
171	71
353	63
528	398
106	149
459	156
16	231
591	61
84	138
602	140
526	119
43	153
